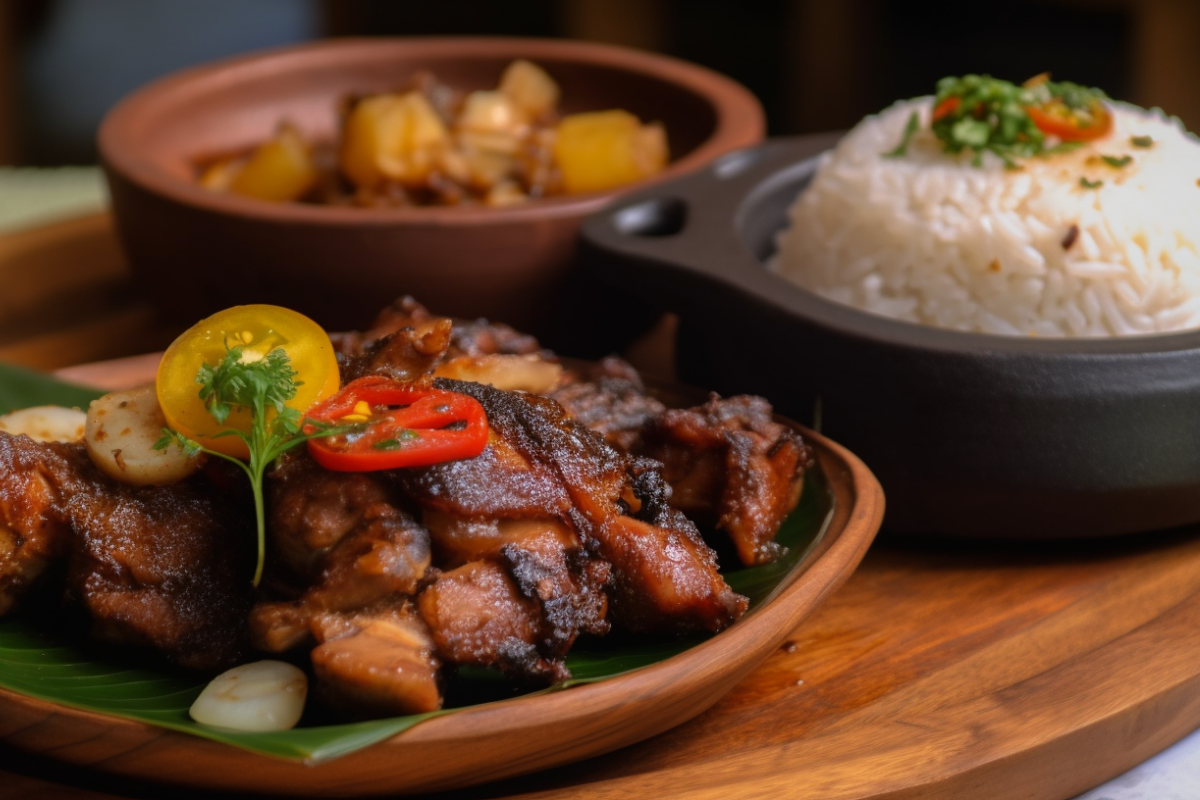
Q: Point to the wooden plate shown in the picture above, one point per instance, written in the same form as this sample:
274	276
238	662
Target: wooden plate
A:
489	742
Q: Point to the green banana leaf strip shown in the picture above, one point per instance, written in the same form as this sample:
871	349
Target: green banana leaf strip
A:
22	388
46	662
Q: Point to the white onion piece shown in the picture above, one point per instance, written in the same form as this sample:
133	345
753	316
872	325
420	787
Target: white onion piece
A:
45	423
512	373
261	696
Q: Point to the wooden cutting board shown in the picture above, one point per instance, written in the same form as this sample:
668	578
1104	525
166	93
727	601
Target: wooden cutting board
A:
939	670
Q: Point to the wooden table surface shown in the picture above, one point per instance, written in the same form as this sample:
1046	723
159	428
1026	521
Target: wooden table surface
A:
939	670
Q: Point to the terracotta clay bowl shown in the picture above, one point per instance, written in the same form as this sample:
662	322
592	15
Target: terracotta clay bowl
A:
971	435
197	251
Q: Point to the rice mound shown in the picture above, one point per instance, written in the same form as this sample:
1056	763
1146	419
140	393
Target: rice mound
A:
929	238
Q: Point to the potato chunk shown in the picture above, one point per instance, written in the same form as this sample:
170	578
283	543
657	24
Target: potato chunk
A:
490	112
392	137
280	169
599	150
529	87
120	434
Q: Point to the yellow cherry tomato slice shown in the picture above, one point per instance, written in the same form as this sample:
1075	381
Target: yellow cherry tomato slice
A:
257	329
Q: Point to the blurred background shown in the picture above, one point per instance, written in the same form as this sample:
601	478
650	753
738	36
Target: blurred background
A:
816	65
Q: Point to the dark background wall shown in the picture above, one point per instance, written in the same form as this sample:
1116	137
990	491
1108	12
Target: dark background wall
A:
815	64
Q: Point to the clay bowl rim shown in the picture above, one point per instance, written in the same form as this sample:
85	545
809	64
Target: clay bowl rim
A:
736	187
738	115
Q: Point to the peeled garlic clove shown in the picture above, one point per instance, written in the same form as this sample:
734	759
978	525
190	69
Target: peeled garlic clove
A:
262	696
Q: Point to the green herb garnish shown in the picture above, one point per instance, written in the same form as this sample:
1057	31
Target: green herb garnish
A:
1061	147
406	436
980	114
1141	141
910	130
264	386
1115	162
1085	183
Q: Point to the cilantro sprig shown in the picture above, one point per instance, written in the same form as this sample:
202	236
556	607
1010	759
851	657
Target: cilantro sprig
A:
910	130
263	385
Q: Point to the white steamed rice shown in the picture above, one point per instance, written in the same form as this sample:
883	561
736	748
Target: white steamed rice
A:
930	238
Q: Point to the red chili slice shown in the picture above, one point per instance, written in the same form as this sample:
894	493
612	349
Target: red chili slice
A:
946	108
1055	119
407	426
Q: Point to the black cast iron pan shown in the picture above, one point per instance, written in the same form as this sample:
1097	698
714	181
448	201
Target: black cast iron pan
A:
971	435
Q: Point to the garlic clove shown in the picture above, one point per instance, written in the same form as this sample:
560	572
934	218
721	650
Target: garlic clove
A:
260	696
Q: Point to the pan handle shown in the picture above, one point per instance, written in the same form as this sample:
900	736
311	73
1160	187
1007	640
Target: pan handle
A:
716	224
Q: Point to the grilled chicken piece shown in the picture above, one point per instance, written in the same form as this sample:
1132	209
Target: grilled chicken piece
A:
730	464
406	355
343	534
408	343
311	509
666	577
500	482
539	461
344	540
610	398
478	616
387	555
167	567
459	540
468	337
546	561
376	662
480	337
35	530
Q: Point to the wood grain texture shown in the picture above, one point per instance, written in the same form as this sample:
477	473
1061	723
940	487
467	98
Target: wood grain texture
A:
938	670
68	297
